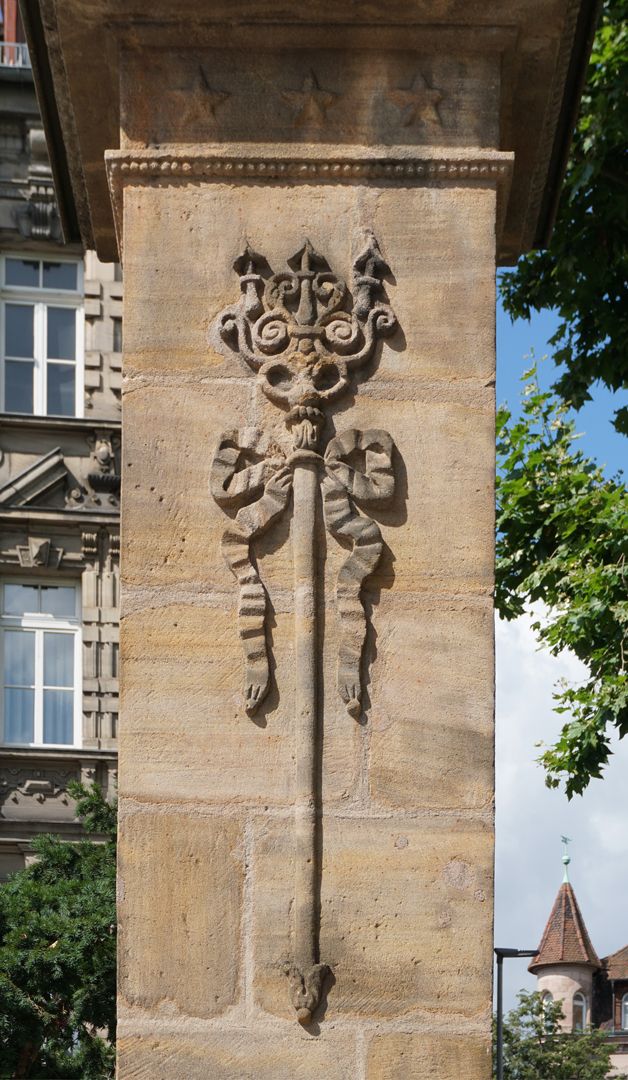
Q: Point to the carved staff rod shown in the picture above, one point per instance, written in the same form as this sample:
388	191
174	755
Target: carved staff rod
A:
296	329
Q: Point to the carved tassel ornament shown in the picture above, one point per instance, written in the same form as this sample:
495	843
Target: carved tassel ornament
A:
304	335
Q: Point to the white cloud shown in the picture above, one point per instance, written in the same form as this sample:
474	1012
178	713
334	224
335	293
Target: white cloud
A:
531	818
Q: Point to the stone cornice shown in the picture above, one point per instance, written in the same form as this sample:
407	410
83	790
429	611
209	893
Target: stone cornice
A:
42	754
56	423
396	165
33	515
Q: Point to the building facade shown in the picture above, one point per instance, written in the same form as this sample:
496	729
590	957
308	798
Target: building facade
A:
593	992
60	385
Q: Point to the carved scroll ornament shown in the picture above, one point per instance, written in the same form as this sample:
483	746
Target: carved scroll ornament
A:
299	332
293	330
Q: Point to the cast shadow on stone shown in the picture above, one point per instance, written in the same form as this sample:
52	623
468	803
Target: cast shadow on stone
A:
268	544
271	702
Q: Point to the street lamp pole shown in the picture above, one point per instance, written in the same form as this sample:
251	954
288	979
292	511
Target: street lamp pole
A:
500	954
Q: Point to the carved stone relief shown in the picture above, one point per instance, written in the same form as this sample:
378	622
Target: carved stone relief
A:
103	477
337	97
197	96
293	329
39	552
18	785
104	474
305	336
418	103
311	102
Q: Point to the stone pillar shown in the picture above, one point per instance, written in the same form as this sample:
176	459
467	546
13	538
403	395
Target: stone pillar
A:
406	783
309	211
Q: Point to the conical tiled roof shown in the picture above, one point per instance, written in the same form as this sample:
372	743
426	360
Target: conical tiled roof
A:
565	939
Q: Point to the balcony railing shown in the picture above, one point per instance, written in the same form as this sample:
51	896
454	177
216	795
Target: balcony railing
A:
14	54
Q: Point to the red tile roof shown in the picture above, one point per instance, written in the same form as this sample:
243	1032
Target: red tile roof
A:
617	964
566	939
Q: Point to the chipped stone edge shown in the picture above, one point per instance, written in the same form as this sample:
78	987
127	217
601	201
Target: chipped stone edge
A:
443	165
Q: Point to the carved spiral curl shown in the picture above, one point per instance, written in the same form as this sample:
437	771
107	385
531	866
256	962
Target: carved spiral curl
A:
281	288
330	291
343	334
384	320
271	333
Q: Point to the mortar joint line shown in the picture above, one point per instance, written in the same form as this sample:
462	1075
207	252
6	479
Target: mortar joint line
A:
361	1054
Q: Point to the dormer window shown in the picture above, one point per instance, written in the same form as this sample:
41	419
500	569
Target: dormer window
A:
579	1012
41	338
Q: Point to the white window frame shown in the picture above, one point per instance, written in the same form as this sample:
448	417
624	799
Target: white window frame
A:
580	999
40	624
41	299
624	1012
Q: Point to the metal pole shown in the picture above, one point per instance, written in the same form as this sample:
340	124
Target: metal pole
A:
500	954
500	1016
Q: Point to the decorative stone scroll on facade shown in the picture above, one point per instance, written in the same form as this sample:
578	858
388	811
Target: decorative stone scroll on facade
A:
305	337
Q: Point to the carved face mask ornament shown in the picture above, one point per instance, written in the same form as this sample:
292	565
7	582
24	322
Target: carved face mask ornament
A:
297	331
292	329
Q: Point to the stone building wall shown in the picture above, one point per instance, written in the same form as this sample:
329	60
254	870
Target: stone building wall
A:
59	491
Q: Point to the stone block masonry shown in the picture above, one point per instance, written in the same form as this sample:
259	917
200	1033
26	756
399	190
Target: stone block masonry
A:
403	856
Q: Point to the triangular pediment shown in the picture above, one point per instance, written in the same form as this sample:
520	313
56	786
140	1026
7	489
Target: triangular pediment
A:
35	484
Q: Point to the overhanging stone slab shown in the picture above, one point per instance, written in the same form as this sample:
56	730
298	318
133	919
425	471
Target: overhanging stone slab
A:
539	49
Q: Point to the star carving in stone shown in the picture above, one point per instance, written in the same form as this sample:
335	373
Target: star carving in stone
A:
418	103
211	98
197	99
310	102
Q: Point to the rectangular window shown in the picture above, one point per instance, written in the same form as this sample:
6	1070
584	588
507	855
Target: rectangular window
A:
117	334
41	336
41	664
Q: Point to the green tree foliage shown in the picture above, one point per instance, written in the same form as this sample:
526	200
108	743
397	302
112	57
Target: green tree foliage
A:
584	272
57	954
536	1049
563	540
562	537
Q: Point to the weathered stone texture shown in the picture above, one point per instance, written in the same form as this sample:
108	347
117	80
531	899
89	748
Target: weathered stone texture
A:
187	729
405	902
403	912
231	1054
180	883
402	1055
236	93
431	741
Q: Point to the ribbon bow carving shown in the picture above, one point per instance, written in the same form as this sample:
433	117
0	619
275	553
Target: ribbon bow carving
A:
253	475
304	336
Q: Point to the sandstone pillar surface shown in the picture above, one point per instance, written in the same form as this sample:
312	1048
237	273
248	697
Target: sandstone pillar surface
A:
309	211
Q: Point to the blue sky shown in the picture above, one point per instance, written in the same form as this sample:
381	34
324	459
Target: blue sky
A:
530	818
518	340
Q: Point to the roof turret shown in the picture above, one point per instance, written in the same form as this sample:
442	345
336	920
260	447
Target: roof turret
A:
565	939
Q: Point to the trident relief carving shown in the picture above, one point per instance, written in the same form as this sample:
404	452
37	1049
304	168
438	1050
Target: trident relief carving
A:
305	336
